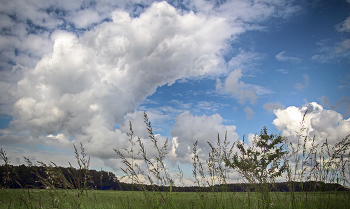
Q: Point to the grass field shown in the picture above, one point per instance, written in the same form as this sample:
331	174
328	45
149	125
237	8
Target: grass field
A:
36	198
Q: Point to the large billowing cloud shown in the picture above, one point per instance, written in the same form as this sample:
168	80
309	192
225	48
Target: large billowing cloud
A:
26	25
319	123
92	82
321	127
71	70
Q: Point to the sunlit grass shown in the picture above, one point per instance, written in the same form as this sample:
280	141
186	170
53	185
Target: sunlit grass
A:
40	198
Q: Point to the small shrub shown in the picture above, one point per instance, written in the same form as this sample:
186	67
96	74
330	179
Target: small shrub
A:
261	163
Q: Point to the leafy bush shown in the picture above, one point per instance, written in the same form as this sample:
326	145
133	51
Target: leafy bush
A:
262	162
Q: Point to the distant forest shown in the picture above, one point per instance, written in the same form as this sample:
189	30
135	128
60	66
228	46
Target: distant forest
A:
29	177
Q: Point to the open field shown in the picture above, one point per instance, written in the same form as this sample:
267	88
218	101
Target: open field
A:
36	198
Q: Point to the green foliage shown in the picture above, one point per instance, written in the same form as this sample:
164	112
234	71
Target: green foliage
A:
262	162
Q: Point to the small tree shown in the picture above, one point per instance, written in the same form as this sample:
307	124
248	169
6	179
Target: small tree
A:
262	162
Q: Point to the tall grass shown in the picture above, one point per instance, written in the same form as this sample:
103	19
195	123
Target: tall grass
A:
260	165
156	173
317	162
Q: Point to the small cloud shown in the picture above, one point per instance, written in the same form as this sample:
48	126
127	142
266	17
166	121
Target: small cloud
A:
244	60
283	71
281	57
249	113
345	82
321	58
273	106
325	102
343	46
343	104
300	86
148	101
262	90
235	108
329	52
344	26
240	90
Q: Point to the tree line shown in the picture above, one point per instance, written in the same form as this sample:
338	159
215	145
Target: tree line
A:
23	176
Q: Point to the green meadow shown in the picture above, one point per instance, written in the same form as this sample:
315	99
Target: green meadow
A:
41	198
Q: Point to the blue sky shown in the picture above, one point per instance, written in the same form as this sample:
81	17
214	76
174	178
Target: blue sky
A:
79	71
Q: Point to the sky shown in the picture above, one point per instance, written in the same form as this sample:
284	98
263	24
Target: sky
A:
76	72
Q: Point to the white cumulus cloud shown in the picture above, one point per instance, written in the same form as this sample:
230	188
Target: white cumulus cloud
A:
321	123
89	83
238	89
68	78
